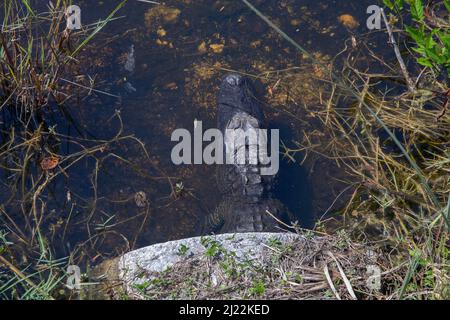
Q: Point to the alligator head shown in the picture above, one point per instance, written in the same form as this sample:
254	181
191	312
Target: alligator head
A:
237	103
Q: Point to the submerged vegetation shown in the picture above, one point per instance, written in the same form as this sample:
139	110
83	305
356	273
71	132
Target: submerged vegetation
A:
38	57
387	127
429	32
383	121
402	195
393	140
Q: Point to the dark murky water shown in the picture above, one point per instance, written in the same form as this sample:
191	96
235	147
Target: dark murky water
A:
179	63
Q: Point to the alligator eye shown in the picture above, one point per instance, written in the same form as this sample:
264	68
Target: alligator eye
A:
233	79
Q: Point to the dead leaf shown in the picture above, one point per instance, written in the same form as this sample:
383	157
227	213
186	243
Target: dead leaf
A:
140	198
49	163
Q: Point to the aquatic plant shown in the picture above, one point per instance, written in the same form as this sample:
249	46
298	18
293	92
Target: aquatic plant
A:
395	145
37	56
429	31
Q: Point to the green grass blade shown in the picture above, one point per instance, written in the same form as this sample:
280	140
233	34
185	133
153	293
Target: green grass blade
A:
411	270
27	5
100	26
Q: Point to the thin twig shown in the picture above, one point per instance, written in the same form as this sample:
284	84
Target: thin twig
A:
409	82
344	277
90	88
147	1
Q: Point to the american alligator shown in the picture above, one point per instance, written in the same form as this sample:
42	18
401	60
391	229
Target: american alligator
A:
246	194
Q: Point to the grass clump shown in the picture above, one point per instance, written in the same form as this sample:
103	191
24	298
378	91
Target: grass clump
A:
394	145
38	56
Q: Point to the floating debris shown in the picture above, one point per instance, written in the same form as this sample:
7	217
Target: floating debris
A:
295	22
349	21
140	198
129	87
354	42
255	44
171	86
160	42
179	188
161	14
130	61
49	163
217	48
199	84
202	48
161	32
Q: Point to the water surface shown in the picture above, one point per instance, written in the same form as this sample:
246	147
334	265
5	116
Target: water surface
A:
180	57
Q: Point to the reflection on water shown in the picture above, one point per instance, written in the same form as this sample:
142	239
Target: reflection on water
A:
160	67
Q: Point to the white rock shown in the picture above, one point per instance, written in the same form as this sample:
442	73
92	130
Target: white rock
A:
135	266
